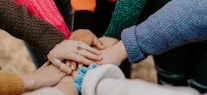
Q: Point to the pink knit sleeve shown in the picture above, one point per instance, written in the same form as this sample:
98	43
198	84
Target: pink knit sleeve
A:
47	11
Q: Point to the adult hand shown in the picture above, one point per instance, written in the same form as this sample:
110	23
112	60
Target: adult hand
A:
108	41
73	50
113	55
47	75
88	37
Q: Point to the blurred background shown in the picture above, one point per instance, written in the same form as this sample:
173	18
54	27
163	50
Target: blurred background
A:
14	57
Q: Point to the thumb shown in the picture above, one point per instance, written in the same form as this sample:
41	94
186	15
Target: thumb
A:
96	42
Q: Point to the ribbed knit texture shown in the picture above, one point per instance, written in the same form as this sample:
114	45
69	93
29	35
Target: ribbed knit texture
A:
126	14
15	20
81	74
179	22
10	84
47	11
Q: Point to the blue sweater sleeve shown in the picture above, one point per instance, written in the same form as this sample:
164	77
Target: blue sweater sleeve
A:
179	22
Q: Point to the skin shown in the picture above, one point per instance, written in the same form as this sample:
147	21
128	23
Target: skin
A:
57	79
117	51
66	86
85	57
108	41
68	50
88	37
36	80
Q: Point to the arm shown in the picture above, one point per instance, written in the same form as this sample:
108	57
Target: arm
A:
11	84
177	23
84	22
47	11
126	14
113	55
16	20
109	80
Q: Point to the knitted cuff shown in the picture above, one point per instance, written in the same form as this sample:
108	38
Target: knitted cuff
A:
81	74
83	20
114	30
11	84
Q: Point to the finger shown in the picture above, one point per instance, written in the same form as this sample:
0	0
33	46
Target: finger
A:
44	65
98	43
56	62
80	65
73	65
63	67
89	55
67	63
59	64
75	74
89	48
78	58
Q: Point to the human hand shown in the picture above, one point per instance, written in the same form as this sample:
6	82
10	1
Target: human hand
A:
113	55
75	51
108	41
47	75
88	37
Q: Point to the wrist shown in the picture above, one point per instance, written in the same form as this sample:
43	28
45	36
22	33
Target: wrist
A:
108	41
121	52
29	83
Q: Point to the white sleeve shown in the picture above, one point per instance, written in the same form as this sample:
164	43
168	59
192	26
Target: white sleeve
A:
109	80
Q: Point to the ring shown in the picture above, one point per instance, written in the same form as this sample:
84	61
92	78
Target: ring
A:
78	46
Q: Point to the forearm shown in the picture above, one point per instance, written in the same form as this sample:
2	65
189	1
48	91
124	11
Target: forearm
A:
29	83
120	52
126	14
177	23
16	20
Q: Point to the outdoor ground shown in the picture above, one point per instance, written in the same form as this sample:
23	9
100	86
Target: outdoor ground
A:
15	58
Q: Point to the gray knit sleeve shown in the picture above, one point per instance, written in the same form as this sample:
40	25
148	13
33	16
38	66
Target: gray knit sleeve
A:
179	22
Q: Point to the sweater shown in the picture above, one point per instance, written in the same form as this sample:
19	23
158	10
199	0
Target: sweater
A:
108	79
47	11
10	84
179	22
16	20
126	14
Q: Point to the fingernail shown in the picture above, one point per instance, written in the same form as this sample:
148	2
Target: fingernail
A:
72	67
69	71
79	66
100	58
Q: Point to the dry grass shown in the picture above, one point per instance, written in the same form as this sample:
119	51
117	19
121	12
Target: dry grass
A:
15	58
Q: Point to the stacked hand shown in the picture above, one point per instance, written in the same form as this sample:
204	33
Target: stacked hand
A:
84	48
67	53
